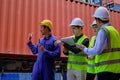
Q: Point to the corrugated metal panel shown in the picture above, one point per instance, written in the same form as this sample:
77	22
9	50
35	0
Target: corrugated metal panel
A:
25	76
114	6
10	76
15	76
108	2
20	17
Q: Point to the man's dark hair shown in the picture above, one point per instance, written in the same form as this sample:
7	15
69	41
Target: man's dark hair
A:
102	20
47	27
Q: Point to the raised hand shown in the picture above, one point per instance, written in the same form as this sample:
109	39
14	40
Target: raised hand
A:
30	36
41	48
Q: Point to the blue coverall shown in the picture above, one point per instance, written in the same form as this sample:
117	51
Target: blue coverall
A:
44	67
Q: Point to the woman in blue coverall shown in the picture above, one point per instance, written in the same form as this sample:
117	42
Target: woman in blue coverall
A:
44	67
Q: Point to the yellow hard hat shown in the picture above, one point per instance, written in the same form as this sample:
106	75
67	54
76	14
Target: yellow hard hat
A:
47	23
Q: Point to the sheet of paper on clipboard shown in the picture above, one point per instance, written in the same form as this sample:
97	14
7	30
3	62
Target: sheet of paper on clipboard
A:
68	40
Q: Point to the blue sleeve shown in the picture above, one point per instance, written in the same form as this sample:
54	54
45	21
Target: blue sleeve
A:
55	54
33	48
100	44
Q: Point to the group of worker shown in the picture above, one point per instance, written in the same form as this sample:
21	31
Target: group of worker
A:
99	57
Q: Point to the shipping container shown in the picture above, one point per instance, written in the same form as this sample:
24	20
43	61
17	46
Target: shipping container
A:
110	2
18	18
106	2
114	6
23	76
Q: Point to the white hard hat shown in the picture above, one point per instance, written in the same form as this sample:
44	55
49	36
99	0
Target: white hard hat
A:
93	23
102	13
77	22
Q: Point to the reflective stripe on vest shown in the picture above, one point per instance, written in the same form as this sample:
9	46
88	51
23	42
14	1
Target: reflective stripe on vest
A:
91	65
109	49
109	59
73	54
107	62
77	61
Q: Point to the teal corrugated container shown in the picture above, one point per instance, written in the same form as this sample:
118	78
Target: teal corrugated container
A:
15	76
23	76
9	76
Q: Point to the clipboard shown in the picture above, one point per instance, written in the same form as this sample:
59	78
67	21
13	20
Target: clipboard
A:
68	40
